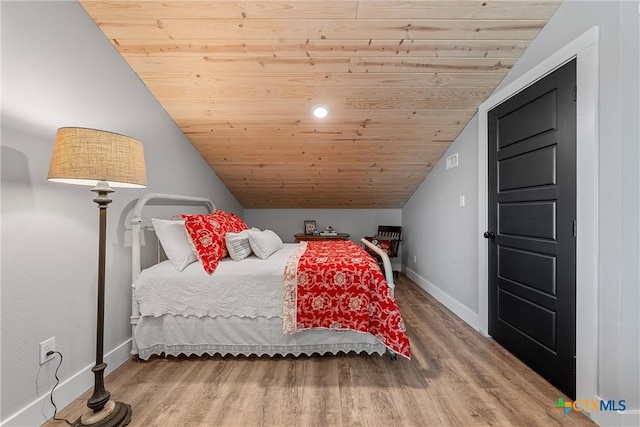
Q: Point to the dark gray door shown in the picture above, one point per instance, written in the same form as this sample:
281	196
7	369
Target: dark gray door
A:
532	212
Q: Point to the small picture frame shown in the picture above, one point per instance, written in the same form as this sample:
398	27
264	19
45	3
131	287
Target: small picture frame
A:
309	226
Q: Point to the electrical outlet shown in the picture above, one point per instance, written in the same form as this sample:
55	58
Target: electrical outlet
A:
46	347
415	259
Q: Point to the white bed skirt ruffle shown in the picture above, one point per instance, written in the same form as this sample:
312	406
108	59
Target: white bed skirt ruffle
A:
177	335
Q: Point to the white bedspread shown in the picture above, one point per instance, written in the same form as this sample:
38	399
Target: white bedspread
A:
248	288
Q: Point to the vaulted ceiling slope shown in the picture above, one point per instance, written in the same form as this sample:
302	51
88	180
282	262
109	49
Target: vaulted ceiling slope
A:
401	80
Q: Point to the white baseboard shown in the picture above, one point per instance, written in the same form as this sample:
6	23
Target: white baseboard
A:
616	419
627	418
67	391
460	310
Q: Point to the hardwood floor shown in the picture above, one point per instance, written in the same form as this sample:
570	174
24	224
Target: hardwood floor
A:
456	377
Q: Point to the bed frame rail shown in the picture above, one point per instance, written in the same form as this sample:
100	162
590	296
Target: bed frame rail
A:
386	262
388	273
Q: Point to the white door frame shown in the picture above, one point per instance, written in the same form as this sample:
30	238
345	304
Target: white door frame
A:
585	50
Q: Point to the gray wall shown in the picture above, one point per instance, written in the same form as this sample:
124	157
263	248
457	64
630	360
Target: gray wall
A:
440	244
358	223
433	207
58	69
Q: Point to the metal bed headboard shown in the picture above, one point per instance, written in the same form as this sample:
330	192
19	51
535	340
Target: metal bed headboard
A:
156	199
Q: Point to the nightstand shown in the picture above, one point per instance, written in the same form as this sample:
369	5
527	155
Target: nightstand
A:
316	237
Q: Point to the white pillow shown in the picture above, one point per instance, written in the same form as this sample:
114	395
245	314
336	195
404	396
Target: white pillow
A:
175	242
238	245
264	243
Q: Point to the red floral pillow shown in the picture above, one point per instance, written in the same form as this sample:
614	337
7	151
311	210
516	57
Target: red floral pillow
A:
207	233
236	223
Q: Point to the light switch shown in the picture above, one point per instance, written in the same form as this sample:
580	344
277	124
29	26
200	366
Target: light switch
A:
461	200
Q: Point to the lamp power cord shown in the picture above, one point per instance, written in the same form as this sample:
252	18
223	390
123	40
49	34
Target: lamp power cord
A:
55	408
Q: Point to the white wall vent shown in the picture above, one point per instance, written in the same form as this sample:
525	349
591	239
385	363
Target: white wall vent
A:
452	161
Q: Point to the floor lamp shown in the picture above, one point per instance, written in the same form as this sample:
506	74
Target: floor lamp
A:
102	160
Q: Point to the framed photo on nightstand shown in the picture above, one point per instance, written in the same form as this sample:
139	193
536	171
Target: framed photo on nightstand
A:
309	226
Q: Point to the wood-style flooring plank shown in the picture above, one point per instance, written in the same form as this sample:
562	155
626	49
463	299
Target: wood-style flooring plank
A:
456	377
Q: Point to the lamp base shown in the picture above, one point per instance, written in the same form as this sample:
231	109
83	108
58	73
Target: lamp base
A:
114	414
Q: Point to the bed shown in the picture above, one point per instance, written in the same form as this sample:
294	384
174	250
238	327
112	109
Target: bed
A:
255	306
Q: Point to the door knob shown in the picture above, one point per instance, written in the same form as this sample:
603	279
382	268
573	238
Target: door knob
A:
489	235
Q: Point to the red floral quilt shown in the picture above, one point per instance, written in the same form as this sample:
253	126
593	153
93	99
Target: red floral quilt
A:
337	285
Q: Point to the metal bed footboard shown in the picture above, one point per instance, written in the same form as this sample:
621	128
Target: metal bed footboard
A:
386	262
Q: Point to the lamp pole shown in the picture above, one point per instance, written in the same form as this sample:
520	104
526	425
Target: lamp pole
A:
106	412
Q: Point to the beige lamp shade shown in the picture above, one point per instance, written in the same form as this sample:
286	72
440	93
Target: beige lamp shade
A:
87	156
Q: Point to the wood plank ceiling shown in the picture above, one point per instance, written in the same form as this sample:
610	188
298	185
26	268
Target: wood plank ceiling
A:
401	80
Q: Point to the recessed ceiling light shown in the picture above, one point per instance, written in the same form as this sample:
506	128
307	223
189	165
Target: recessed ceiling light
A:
320	111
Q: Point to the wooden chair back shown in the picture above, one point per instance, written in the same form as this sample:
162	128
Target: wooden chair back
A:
393	234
